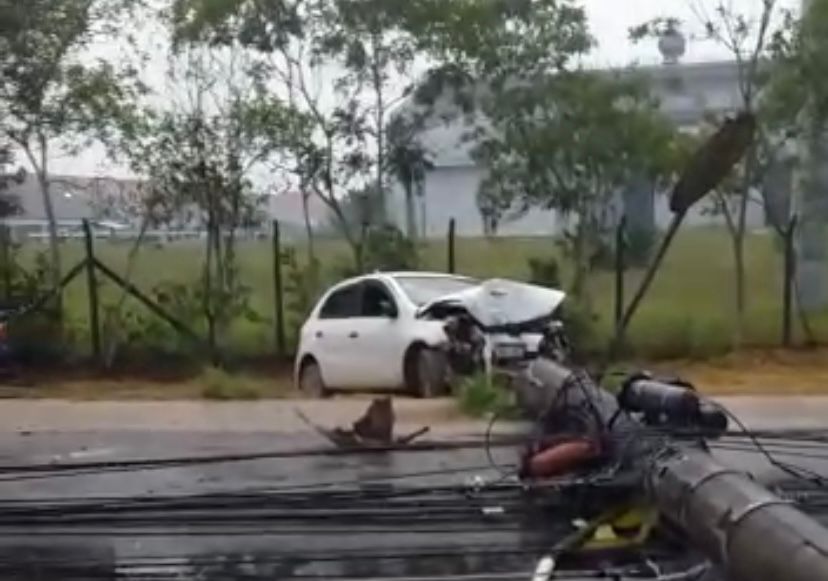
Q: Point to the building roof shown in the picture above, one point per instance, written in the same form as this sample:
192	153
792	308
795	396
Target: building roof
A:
73	197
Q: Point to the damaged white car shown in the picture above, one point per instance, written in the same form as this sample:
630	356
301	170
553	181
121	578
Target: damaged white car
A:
417	331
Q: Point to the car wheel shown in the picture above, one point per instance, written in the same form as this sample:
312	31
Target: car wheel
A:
429	373
310	380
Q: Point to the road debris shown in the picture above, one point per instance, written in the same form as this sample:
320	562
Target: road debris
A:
375	428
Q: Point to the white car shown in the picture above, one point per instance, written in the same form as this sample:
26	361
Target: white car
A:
373	331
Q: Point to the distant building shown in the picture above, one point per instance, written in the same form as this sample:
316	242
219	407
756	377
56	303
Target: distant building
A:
73	199
688	93
117	206
288	208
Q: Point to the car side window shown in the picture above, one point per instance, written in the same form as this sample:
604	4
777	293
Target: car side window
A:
377	301
342	304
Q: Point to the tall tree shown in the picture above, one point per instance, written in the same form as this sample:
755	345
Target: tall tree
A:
342	64
571	143
9	203
408	162
49	96
546	133
199	156
746	36
795	108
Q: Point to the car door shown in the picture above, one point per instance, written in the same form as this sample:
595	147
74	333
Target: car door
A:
330	336
380	340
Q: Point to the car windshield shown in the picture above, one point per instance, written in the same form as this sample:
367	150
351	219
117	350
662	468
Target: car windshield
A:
424	289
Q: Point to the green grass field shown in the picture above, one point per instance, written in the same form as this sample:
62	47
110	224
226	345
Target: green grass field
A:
688	313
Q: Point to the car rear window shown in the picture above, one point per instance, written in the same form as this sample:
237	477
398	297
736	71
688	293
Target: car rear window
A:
424	289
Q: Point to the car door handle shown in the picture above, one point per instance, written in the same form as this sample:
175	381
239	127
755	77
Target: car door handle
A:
353	334
319	334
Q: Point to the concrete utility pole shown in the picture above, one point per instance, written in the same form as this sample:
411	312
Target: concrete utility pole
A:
747	532
812	186
729	517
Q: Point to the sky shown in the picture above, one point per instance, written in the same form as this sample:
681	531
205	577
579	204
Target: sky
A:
610	21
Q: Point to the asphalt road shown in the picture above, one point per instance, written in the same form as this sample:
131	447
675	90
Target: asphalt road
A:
464	534
266	547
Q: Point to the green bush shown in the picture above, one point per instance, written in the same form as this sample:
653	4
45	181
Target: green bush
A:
38	338
478	395
580	324
219	385
545	272
384	248
387	248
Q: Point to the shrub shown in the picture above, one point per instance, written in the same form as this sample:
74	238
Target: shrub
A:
580	325
38	338
545	272
219	385
387	248
478	395
384	248
35	336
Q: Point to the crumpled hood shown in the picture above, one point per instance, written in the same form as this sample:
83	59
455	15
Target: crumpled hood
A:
501	303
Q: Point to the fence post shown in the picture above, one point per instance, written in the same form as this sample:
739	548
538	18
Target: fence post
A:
92	288
787	289
620	267
7	267
278	295
451	240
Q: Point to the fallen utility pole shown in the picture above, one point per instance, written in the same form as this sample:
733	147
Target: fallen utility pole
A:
749	533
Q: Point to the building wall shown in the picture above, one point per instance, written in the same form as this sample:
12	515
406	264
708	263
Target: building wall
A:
451	192
687	94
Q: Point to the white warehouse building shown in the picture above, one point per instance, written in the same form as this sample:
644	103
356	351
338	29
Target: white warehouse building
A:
688	93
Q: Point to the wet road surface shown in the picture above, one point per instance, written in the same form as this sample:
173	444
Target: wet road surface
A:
309	517
266	518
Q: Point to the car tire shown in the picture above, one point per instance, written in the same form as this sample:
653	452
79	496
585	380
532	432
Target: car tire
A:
311	383
428	373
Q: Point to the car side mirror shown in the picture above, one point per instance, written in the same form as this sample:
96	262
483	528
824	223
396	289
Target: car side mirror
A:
388	309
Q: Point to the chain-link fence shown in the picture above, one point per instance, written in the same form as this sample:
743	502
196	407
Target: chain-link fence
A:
122	300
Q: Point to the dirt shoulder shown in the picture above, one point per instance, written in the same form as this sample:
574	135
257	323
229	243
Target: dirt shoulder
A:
776	373
279	416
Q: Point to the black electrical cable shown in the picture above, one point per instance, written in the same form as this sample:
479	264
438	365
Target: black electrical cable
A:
12	472
451	493
436	446
504	473
67	473
790	469
783	452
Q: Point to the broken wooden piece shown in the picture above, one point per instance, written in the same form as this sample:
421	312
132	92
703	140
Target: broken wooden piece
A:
374	429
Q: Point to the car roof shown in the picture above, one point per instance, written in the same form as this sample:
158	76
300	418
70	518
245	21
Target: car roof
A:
423	274
402	274
393	275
